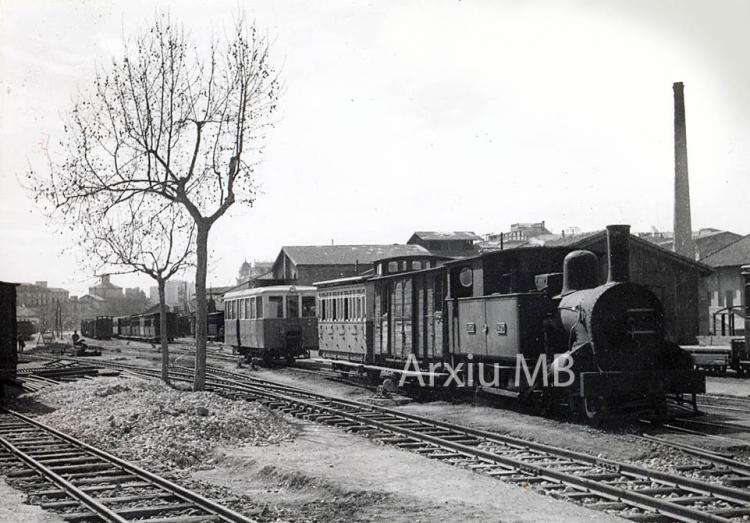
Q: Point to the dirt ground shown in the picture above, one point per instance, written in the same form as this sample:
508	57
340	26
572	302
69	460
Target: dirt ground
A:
325	475
368	482
13	509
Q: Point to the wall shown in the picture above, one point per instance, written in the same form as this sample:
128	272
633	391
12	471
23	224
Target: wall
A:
676	284
715	289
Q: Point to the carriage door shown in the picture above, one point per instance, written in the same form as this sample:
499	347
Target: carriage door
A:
472	326
402	319
383	320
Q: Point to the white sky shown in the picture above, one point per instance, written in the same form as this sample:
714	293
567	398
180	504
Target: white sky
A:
404	116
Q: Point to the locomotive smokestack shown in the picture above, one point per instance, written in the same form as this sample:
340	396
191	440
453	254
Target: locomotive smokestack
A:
683	231
618	253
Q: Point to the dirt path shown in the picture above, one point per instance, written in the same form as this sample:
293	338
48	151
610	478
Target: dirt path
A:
354	479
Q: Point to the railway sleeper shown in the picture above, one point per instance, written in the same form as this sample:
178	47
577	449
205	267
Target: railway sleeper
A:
609	505
59	493
182	519
113	500
133	513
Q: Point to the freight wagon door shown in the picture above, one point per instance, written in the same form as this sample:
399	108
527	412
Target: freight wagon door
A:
471	326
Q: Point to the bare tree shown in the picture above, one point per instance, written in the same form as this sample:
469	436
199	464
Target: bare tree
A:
176	121
144	236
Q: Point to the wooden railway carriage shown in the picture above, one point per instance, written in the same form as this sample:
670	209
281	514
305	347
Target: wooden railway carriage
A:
345	312
272	322
409	309
145	327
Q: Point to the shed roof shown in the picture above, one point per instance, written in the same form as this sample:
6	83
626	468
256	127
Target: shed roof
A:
446	235
584	240
734	254
347	254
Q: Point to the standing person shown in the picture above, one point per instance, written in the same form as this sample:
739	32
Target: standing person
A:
21	343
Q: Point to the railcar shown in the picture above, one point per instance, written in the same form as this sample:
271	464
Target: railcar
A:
8	335
99	328
215	328
272	322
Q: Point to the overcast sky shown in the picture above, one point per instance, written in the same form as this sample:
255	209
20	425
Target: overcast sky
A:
404	116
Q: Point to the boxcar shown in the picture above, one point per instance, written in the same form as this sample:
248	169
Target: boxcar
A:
216	326
8	335
99	328
272	322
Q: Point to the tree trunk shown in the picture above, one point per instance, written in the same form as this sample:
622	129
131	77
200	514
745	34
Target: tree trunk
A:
163	332
201	309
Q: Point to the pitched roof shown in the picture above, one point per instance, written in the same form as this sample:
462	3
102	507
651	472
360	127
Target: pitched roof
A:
446	235
347	254
584	240
737	253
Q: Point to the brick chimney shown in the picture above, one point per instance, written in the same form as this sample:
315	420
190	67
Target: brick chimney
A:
683	231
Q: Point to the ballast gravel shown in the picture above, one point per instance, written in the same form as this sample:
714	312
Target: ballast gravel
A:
150	422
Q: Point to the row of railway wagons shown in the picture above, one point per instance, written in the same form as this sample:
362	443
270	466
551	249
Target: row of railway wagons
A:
527	312
145	327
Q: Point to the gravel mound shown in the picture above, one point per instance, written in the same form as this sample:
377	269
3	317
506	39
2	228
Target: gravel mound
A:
148	421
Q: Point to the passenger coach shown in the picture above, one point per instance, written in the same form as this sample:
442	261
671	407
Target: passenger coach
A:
272	322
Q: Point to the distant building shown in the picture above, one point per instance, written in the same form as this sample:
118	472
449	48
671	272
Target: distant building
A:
448	243
105	289
706	240
519	234
177	294
303	265
248	271
725	288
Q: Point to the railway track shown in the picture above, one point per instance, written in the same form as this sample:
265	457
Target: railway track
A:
83	483
624	489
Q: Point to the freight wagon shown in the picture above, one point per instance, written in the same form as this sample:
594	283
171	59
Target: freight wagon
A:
99	328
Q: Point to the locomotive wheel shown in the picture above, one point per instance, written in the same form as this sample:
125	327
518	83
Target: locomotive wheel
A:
290	360
267	358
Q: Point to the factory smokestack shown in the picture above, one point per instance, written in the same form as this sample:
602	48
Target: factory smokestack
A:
683	230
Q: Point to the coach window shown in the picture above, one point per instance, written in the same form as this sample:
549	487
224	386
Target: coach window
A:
308	306
243	309
416	265
259	307
292	306
248	308
347	309
252	308
392	267
275	307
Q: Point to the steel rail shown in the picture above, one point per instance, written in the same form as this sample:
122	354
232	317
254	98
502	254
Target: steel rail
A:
188	495
325	404
91	503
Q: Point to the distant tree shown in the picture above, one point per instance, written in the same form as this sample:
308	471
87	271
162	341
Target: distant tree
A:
143	236
171	120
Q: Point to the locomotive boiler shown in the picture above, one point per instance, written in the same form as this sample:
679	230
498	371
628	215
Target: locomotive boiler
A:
612	338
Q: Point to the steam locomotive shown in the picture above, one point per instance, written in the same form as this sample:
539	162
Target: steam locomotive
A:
534	323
